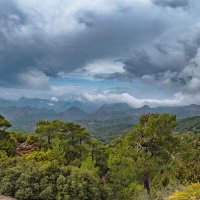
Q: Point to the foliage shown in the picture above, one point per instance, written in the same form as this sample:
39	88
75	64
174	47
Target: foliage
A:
4	124
111	131
7	144
149	162
80	184
18	137
191	192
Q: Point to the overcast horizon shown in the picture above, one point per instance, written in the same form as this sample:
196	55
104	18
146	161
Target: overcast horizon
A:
140	52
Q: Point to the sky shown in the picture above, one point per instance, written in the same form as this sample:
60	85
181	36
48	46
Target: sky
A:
140	52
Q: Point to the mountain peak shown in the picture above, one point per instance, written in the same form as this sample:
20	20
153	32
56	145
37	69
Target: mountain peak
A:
22	98
145	107
74	108
115	107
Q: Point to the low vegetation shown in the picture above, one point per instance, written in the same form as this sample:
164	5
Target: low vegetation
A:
191	192
61	161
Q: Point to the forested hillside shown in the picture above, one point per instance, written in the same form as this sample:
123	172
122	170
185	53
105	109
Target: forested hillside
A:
61	161
189	124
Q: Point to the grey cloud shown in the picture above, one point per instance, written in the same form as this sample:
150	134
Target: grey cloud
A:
172	3
155	43
87	18
166	62
26	45
163	61
10	14
125	76
191	75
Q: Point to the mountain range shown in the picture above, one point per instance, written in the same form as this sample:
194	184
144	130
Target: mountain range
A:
103	121
54	104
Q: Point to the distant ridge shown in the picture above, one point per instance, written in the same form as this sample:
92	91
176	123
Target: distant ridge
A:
118	115
73	114
58	106
115	107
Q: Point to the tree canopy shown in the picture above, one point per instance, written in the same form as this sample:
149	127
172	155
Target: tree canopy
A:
62	161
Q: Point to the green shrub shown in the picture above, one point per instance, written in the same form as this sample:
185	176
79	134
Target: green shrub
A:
31	139
191	192
8	146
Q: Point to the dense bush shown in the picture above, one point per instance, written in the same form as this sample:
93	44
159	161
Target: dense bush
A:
191	192
8	146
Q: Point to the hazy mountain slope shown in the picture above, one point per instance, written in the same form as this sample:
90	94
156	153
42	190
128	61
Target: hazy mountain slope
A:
106	122
114	107
58	106
179	111
25	118
73	114
189	124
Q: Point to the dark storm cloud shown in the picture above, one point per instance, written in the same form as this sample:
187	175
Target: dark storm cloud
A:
11	20
171	61
164	63
172	3
154	43
26	46
9	12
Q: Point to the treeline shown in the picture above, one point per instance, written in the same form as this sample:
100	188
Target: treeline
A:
61	161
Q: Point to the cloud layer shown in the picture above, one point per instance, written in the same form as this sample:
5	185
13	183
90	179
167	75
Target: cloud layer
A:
148	41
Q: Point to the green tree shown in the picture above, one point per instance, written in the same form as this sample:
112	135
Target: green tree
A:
7	144
154	143
186	169
4	124
58	150
77	141
141	156
49	129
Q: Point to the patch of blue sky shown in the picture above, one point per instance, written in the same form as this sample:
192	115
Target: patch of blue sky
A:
93	83
135	87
